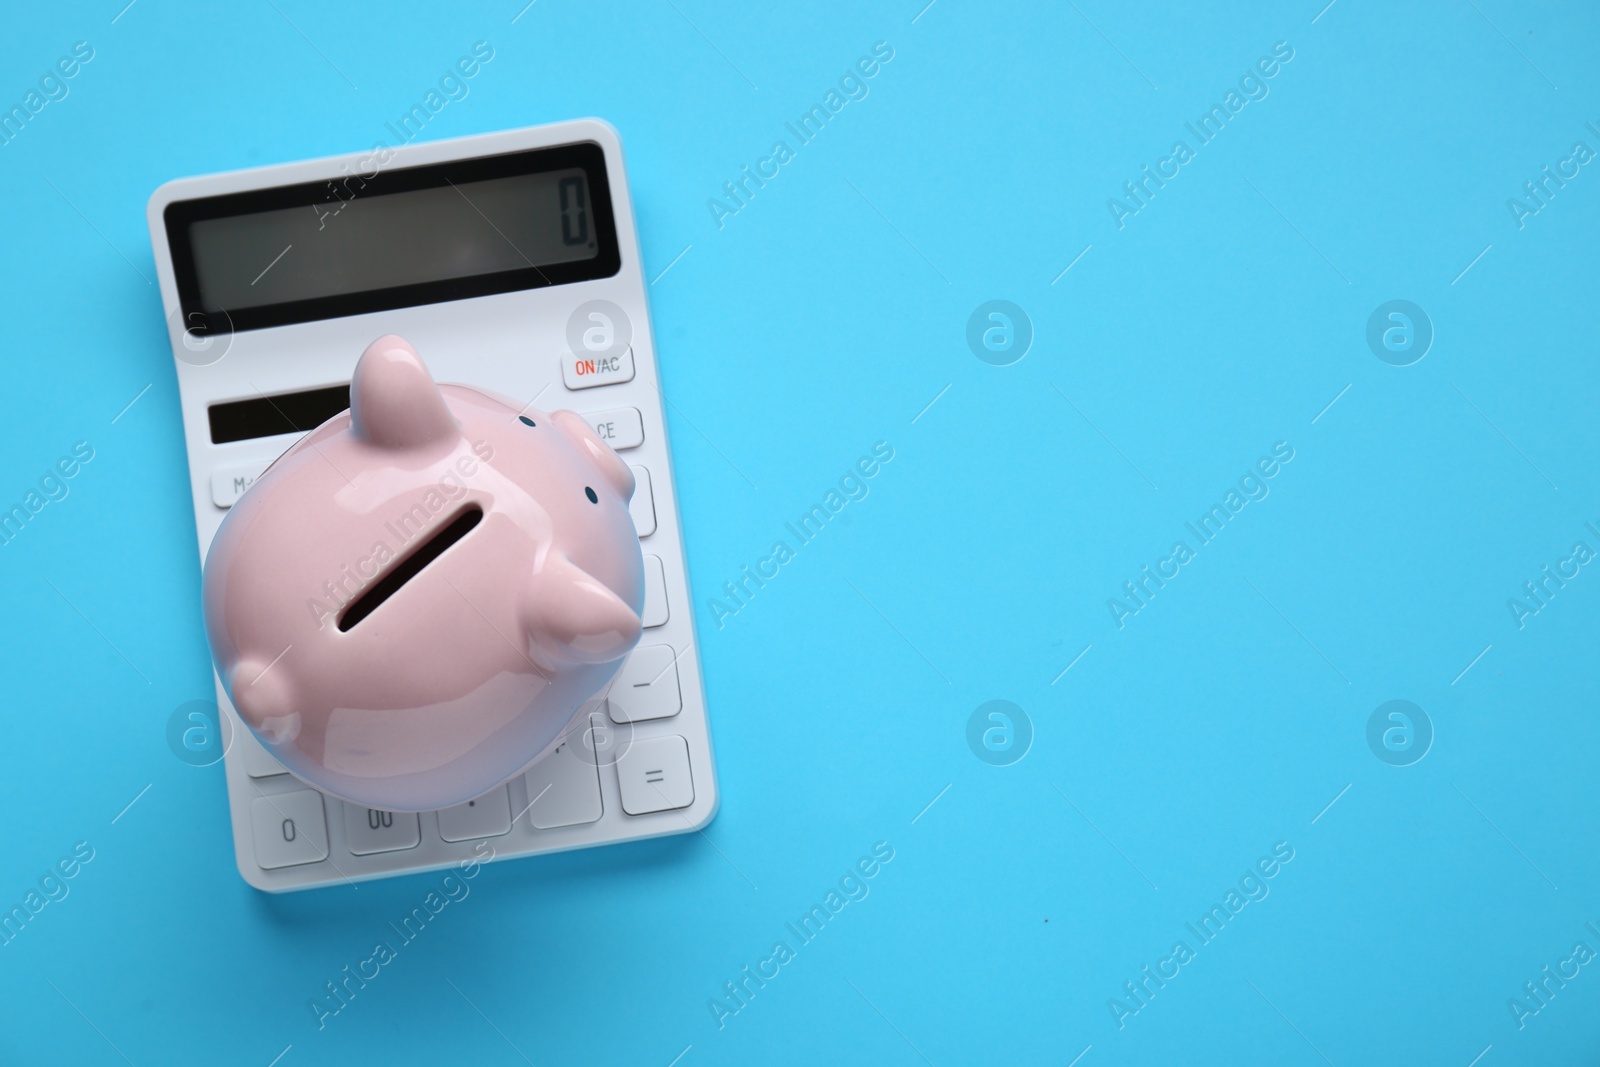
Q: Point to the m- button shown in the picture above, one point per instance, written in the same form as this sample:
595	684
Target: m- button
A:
228	485
589	369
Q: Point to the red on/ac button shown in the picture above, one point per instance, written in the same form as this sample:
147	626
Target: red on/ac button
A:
589	369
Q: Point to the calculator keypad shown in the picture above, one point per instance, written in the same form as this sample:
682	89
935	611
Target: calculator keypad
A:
646	687
488	816
230	483
258	762
589	370
563	789
655	593
621	428
654	775
368	831
642	507
289	829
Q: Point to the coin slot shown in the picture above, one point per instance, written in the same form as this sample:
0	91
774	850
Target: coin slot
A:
409	567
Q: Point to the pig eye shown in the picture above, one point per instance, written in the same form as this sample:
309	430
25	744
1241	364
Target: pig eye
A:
590	494
525	420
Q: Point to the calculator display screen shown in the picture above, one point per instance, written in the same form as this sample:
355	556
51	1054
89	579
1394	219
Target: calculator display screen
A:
377	240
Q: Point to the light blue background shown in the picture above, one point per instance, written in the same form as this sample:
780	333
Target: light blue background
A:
820	319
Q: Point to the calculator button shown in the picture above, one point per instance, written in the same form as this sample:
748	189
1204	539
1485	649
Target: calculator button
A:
589	370
289	829
258	762
642	508
368	830
654	775
229	484
563	789
621	428
646	687
655	593
488	816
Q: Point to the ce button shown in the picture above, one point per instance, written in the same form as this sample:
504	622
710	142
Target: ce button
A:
621	428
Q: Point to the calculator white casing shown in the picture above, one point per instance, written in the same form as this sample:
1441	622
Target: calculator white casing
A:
512	343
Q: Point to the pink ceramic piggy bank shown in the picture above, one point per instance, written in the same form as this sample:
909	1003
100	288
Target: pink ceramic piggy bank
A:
416	601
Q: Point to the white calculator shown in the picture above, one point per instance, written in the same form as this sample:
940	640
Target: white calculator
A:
510	261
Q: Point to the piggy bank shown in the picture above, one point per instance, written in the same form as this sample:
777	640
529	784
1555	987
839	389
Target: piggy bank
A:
418	599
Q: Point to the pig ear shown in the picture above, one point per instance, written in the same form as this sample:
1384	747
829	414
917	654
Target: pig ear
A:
393	400
571	616
617	473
